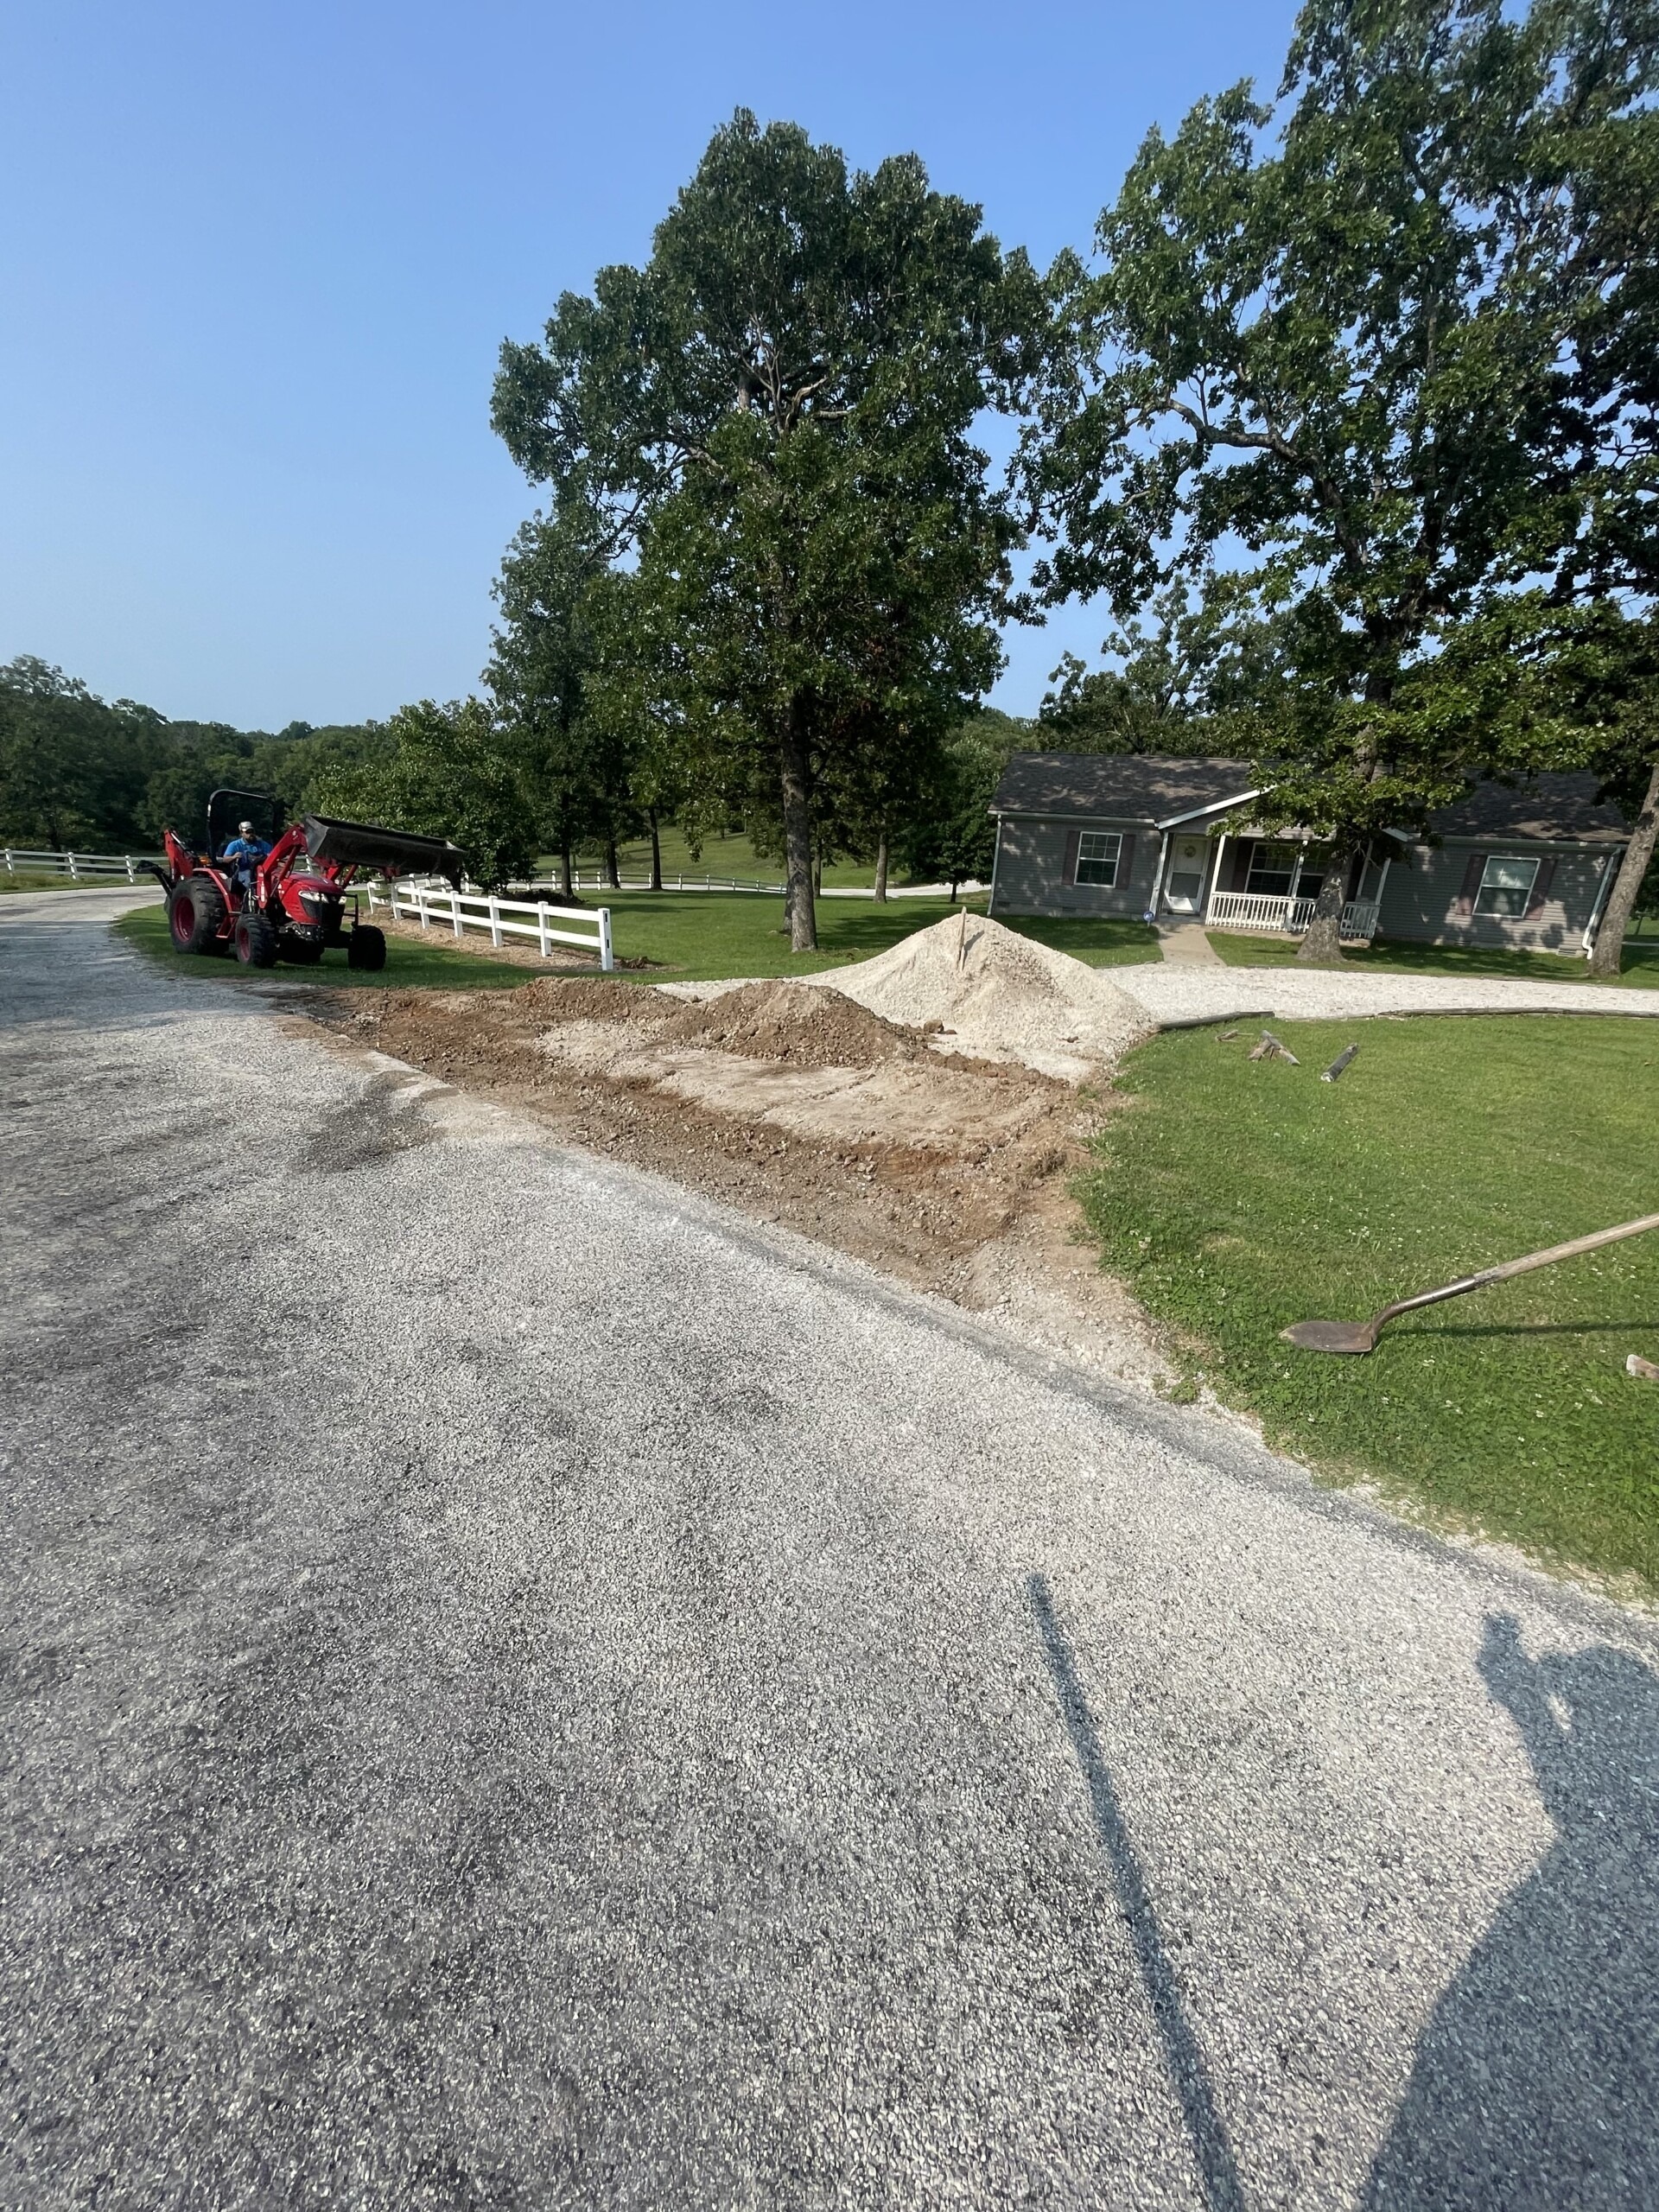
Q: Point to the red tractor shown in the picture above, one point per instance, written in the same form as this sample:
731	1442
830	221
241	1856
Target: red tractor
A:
289	902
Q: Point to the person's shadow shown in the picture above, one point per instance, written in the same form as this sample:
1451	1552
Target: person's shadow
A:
1537	2083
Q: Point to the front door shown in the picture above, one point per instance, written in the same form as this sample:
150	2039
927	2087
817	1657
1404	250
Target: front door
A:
1189	862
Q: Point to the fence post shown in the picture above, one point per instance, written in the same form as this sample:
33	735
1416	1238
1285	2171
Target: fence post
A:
455	908
495	921
606	960
74	873
541	924
10	869
420	908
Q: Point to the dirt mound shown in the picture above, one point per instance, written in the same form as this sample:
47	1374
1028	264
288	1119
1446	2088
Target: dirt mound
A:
792	1023
549	999
999	996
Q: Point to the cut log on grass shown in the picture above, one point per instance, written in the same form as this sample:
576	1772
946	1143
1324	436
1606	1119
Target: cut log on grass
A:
1361	1336
1342	1060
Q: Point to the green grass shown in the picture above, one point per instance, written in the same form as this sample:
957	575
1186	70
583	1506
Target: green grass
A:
408	966
731	855
1394	956
1237	1197
688	937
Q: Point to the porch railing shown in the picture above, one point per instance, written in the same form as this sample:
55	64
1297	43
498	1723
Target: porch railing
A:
1254	910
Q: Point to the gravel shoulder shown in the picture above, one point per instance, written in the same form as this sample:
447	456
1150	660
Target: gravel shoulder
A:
1174	992
521	1688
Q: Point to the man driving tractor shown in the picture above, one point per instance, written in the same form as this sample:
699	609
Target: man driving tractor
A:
244	852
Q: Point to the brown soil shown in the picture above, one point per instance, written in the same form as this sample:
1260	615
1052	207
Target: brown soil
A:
797	1106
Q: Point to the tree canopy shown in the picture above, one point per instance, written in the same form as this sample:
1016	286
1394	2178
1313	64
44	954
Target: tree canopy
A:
772	419
1335	340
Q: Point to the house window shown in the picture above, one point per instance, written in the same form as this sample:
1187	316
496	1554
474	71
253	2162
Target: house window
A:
1271	869
1506	886
1097	852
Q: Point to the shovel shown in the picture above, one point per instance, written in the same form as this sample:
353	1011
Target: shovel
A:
1361	1336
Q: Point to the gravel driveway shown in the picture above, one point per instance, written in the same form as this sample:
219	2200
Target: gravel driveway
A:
518	1689
1177	992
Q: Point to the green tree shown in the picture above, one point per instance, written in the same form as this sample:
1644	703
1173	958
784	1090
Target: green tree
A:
773	419
1195	683
447	772
1336	353
73	768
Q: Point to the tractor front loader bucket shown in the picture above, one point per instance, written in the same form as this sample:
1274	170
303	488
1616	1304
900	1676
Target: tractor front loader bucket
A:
393	851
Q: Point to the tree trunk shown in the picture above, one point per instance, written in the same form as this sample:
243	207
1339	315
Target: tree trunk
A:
1609	947
798	834
1322	947
882	870
567	888
613	875
656	850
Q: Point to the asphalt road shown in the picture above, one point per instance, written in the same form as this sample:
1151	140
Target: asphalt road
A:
518	1689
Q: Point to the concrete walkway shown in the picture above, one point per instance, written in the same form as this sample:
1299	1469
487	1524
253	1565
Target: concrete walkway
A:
1185	946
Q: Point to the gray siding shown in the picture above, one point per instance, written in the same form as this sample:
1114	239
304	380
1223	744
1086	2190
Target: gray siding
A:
1420	902
1031	869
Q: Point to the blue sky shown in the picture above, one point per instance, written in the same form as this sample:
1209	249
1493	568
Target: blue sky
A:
256	261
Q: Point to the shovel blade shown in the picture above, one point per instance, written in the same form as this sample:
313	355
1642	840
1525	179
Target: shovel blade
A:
1332	1336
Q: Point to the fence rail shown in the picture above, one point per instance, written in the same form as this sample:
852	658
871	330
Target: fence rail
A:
79	868
1252	910
471	910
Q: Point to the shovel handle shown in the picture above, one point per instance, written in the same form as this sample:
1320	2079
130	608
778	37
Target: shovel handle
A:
1522	1267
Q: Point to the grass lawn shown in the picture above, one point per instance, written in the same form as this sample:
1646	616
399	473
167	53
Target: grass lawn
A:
1236	1198
408	966
717	855
1641	963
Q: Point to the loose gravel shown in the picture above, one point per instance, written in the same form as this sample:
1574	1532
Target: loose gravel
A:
518	1690
1172	993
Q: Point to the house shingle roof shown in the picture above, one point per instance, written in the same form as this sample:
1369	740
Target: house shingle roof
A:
1547	807
1118	786
1151	788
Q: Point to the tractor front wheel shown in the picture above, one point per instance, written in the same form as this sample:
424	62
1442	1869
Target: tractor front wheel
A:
256	941
195	914
366	947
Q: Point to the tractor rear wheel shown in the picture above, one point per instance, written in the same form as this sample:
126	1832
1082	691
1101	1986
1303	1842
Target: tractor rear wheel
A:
256	941
366	947
195	914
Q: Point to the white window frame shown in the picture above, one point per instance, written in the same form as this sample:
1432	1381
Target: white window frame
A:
1504	890
1099	848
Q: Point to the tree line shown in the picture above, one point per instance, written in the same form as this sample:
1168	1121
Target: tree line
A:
1348	419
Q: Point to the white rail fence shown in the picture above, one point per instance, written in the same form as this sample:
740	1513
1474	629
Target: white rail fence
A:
1250	910
476	909
79	868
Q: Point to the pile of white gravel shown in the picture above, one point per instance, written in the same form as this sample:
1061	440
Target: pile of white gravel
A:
998	996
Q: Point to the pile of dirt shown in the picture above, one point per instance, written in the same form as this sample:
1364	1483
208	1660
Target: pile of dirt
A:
799	1106
995	995
793	1024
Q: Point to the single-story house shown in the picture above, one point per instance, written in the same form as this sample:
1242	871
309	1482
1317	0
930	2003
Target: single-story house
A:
1523	865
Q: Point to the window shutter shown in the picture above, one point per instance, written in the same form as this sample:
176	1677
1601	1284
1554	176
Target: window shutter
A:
1541	882
1069	872
1464	905
1125	862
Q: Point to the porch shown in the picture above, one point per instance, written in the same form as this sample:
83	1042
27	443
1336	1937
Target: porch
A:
1261	913
1274	886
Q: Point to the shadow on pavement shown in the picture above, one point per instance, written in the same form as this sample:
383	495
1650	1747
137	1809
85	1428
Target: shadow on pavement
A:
1537	2082
1188	2073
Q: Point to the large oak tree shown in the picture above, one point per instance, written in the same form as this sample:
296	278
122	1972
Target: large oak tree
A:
1331	341
774	420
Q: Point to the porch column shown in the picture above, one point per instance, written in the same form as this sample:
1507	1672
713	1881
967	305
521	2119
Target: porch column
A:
1215	877
1158	880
